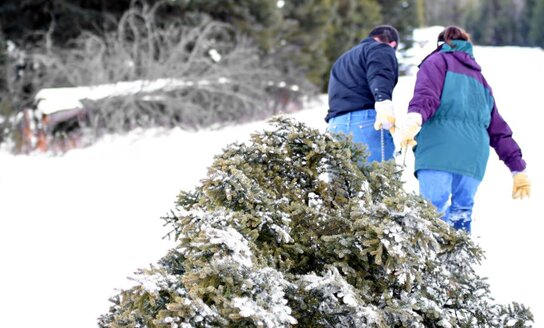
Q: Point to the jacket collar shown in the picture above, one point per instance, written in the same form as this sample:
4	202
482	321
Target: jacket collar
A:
368	39
461	50
458	45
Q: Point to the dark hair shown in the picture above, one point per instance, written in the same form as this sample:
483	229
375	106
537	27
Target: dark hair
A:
385	33
451	33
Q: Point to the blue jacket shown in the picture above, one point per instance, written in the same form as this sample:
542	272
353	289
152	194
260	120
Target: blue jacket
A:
361	76
460	117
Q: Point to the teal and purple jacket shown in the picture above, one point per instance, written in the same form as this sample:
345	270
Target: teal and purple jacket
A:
460	117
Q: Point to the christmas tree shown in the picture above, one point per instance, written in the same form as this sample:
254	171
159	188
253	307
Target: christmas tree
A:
294	228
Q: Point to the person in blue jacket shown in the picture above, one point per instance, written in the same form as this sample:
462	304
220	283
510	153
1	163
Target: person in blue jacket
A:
452	121
360	92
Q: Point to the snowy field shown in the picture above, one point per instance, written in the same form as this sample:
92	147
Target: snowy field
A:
74	227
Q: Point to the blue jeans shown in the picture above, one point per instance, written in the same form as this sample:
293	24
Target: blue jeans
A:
439	187
360	125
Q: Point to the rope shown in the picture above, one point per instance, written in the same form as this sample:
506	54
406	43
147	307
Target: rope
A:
382	143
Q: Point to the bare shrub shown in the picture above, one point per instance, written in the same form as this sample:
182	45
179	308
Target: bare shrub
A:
17	82
190	75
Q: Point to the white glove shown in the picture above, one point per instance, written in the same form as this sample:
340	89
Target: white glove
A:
385	116
522	185
409	128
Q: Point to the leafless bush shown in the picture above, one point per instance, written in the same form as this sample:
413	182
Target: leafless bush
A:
16	91
207	73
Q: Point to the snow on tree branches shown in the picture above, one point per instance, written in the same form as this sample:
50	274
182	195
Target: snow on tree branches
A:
294	228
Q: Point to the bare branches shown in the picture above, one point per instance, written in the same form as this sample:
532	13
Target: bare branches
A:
152	74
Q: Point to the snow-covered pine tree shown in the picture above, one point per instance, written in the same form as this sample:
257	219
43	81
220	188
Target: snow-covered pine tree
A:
292	229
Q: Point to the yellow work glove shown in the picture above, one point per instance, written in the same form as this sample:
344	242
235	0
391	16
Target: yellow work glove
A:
409	128
522	186
385	116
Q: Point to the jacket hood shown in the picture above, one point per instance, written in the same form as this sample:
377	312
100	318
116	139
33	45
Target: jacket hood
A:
462	51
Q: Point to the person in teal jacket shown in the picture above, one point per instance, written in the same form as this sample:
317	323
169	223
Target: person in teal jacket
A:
452	121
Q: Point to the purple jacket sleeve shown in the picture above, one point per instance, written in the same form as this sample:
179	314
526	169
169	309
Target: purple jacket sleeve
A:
500	138
428	88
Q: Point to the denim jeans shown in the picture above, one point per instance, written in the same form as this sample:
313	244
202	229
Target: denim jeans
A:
451	193
360	125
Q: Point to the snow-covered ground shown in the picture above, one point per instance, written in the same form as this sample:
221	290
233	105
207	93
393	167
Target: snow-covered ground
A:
74	227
